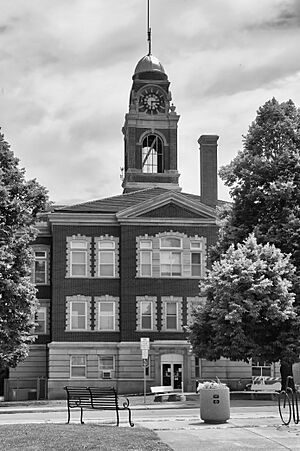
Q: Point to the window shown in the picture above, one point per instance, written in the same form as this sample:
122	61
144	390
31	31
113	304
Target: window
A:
78	256
78	313
107	316
171	310
152	155
106	251
106	319
261	368
40	270
171	254
106	258
78	366
106	362
146	313
196	255
79	259
171	313
41	316
170	260
106	366
40	267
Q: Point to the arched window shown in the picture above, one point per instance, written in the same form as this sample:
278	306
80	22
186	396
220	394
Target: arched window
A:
152	155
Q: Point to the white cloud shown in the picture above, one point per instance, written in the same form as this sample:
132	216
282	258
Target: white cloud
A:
66	75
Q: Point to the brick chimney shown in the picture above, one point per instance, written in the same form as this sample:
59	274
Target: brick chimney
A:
208	169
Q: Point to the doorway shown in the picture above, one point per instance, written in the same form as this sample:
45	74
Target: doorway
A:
172	370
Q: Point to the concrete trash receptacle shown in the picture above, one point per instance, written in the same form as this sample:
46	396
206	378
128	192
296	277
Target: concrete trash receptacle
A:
214	405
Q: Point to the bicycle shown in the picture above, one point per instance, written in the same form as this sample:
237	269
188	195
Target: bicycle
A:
288	404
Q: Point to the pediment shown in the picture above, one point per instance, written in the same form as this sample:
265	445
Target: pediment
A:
172	205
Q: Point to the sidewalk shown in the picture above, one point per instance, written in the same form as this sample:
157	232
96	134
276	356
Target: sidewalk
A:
253	424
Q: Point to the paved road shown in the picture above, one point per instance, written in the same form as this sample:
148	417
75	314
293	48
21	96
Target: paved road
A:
252	427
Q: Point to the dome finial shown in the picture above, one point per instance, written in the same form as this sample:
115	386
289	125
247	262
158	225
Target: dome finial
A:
148	27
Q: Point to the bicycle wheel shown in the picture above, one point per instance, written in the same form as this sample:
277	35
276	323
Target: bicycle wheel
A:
284	406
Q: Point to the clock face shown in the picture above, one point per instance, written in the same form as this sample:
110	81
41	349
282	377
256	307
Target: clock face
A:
151	101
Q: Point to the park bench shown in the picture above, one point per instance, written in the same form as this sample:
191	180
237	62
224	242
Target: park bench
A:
160	391
105	398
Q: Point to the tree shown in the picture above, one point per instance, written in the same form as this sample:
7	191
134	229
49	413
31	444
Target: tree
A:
20	202
264	182
249	312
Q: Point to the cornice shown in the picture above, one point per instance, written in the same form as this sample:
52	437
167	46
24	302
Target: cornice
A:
79	218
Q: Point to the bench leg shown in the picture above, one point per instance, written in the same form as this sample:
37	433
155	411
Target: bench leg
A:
129	416
68	415
81	415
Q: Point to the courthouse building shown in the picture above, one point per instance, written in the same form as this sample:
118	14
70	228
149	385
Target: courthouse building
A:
114	270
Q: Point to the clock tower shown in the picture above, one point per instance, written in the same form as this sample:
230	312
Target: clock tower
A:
150	130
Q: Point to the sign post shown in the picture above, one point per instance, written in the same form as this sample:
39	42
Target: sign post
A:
145	345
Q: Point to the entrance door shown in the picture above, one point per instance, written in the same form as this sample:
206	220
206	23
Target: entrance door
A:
171	370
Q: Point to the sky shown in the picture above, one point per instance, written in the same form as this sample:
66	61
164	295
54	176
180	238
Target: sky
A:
66	72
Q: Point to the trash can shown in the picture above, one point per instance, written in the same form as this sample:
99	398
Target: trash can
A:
214	405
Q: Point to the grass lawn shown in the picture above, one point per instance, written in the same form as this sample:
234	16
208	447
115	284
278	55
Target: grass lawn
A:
70	437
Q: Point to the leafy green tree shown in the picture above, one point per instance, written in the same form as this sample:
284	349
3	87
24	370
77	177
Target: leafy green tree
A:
249	312
20	202
264	182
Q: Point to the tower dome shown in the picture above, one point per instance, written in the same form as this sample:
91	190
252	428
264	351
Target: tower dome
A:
149	63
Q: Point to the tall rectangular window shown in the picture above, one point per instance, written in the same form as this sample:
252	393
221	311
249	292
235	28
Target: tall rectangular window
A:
171	309
78	257
77	366
106	311
40	267
41	318
78	313
146	312
106	258
196	258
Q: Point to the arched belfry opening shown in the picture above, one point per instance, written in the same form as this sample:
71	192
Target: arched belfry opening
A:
152	155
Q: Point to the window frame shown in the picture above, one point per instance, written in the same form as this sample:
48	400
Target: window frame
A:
80	244
142	316
79	329
44	331
113	315
106	251
178	301
72	366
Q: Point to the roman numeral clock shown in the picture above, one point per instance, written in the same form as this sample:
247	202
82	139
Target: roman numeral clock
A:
152	101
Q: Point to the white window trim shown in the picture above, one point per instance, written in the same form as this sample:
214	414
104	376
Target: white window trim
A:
114	250
111	299
153	300
149	251
113	316
82	299
71	247
151	315
73	303
178	301
78	366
